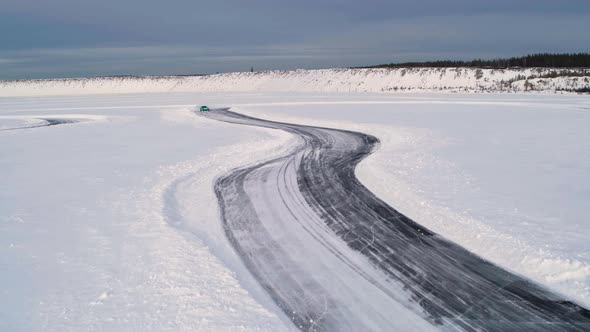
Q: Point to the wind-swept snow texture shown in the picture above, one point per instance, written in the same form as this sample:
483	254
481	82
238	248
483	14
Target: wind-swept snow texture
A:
325	80
281	217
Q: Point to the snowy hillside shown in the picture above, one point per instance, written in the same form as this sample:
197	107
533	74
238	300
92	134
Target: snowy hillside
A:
326	80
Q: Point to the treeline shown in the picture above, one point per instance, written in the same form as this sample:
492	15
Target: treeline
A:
548	60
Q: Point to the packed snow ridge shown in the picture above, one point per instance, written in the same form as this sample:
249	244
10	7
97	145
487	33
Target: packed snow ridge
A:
325	80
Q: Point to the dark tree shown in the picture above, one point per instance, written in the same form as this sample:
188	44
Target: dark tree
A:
565	60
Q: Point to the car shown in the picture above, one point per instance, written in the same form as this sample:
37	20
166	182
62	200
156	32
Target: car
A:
204	108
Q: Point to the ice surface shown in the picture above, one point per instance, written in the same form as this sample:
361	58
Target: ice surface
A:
111	223
506	177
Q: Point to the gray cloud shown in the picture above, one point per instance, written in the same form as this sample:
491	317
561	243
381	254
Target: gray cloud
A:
76	38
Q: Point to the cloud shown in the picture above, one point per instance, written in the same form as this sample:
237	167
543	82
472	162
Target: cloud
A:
75	38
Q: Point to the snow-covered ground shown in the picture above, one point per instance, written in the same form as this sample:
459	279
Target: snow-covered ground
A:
110	223
325	80
88	242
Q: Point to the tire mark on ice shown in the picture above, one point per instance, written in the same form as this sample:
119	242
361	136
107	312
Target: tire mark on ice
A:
334	256
48	122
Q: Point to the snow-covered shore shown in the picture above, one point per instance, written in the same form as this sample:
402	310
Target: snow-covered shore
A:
547	80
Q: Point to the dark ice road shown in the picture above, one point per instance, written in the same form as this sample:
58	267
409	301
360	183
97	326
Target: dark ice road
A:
47	122
333	256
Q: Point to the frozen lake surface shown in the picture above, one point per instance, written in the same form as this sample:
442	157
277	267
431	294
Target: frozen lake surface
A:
110	221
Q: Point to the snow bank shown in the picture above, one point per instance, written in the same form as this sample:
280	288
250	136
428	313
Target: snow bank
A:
325	80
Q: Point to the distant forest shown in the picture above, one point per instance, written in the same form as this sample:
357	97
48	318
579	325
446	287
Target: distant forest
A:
549	60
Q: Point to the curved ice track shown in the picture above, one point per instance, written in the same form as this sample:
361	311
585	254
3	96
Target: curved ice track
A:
47	122
333	256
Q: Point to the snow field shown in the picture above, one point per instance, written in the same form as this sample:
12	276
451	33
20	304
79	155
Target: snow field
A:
112	223
86	244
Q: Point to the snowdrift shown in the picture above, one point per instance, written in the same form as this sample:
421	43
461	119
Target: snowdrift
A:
326	80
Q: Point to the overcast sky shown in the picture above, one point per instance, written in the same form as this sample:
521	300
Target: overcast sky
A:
65	38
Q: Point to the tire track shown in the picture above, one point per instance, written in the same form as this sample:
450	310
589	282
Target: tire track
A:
334	256
48	122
